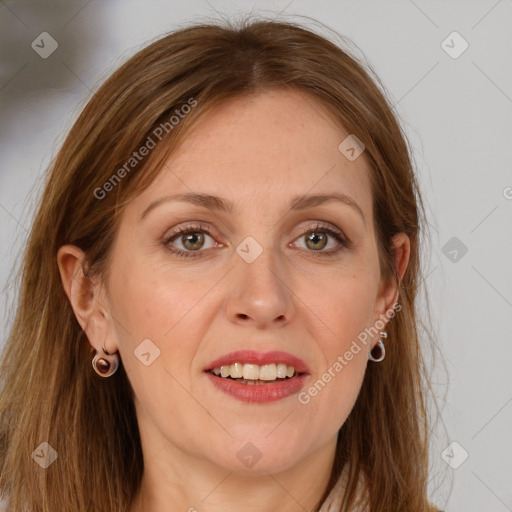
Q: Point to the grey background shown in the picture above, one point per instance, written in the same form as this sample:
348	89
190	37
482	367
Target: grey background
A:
457	114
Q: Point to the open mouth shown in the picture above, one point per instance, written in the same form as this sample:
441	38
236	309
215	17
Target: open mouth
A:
258	377
255	375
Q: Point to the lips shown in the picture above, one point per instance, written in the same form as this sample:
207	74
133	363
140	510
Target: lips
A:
269	386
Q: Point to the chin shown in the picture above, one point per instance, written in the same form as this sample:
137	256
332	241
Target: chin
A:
255	455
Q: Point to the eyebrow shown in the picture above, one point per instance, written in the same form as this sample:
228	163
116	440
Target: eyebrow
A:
216	203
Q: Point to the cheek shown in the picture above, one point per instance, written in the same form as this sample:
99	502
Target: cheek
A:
345	311
151	302
169	313
147	299
330	396
344	302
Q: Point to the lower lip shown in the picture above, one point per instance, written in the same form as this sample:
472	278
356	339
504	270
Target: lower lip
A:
258	392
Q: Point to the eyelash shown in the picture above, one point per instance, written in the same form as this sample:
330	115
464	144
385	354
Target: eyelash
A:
194	228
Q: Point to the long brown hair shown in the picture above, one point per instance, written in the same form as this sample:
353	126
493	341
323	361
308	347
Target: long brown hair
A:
50	392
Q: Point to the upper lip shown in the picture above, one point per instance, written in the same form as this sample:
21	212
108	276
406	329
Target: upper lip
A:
259	358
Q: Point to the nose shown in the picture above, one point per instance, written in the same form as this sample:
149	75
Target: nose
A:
259	293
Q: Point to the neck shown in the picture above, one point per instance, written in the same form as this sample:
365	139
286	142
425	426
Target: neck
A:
183	484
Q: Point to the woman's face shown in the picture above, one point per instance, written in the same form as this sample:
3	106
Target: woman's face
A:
258	281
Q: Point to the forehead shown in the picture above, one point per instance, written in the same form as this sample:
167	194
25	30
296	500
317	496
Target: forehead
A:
261	148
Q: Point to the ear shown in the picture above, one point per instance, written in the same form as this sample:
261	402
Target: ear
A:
389	290
84	295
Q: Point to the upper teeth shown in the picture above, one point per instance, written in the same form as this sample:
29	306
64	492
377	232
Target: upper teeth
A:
255	372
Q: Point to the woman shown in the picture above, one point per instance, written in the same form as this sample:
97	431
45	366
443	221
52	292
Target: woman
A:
230	235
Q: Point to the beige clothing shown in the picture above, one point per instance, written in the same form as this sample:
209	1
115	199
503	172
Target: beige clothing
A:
333	501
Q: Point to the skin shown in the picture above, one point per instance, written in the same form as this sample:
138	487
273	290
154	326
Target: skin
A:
196	309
